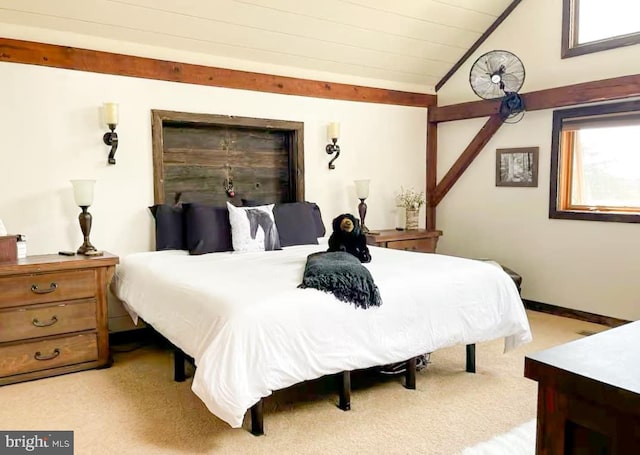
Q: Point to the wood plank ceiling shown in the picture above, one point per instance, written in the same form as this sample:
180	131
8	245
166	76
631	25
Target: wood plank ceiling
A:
401	45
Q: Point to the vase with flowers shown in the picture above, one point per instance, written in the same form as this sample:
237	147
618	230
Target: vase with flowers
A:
411	201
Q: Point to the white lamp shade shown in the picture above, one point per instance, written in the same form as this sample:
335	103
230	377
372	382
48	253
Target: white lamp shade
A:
83	191
362	188
110	112
333	130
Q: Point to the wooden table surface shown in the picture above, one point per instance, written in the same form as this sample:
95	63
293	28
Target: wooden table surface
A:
589	393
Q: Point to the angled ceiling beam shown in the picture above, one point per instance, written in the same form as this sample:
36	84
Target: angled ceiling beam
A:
477	44
586	92
72	58
466	158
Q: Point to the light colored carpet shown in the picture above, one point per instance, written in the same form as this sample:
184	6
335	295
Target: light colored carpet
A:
135	407
519	441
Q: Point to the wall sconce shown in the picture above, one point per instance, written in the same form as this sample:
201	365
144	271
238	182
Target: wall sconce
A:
333	132
110	113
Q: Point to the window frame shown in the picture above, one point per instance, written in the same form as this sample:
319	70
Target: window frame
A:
570	48
560	166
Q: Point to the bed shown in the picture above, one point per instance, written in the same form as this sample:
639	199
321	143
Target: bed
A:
250	330
241	318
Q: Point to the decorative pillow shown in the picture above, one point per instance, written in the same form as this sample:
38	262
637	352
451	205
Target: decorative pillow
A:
170	232
253	228
207	228
317	218
296	224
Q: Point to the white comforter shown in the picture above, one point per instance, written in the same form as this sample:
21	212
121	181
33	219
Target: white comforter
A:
252	331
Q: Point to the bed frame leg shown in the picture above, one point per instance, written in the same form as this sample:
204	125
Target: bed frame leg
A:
179	357
471	358
410	374
257	419
344	379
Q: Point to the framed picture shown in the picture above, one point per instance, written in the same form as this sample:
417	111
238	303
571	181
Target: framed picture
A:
517	166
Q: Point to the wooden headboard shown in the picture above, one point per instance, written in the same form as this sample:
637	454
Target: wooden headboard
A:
195	154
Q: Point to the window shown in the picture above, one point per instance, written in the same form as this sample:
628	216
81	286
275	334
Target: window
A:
598	25
595	163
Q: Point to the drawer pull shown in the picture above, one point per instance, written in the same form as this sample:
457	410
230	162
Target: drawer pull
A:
53	355
52	287
44	324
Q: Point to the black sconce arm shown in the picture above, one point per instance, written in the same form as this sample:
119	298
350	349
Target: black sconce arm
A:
111	138
333	148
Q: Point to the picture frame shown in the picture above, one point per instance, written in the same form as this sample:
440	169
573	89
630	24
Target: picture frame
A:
517	166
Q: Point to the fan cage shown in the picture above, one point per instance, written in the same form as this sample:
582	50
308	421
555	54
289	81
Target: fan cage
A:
504	67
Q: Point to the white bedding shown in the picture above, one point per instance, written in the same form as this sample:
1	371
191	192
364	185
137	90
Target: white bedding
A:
252	331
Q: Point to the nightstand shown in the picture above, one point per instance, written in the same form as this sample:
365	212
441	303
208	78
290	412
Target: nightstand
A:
53	315
420	240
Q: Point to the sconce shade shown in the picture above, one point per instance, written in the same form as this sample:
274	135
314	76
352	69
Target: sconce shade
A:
83	192
362	188
333	131
110	112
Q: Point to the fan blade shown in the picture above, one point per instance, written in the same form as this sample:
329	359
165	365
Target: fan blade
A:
498	62
512	83
492	64
484	88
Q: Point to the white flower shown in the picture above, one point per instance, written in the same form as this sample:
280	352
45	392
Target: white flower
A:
411	199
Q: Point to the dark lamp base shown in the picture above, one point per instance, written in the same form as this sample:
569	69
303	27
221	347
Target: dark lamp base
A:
86	249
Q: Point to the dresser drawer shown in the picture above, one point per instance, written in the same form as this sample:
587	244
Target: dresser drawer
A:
46	287
47	354
421	245
44	320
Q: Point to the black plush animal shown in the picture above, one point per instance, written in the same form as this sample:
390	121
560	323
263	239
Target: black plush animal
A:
347	236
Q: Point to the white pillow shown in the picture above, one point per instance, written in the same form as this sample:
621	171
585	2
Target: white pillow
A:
253	228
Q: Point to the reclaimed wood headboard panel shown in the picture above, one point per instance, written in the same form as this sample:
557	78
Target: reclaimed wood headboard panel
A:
194	154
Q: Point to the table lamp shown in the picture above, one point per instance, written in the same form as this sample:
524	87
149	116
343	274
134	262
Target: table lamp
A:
362	192
83	194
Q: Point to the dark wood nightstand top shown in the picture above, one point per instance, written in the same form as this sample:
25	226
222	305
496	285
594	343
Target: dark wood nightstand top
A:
392	235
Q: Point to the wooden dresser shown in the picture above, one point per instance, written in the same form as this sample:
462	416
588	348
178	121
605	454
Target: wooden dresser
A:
53	315
589	394
420	240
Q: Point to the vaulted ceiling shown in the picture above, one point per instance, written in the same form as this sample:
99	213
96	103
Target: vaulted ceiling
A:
401	44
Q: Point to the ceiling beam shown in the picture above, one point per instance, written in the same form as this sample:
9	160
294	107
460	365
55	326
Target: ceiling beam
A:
586	92
478	42
466	158
28	52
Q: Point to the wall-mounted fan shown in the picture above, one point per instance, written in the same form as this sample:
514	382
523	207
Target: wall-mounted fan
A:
500	74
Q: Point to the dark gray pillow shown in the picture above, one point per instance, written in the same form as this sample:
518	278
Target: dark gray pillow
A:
317	219
295	223
207	228
170	231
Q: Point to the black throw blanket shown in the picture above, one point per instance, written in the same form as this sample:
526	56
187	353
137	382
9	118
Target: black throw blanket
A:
343	275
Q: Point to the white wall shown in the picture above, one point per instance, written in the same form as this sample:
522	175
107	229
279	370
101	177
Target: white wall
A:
584	265
51	132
